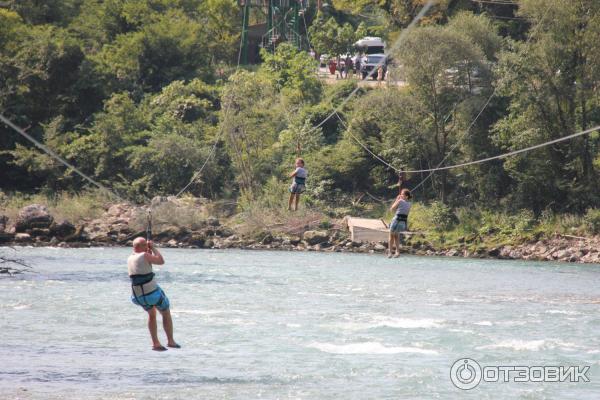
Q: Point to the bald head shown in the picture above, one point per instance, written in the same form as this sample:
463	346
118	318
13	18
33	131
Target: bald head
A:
139	244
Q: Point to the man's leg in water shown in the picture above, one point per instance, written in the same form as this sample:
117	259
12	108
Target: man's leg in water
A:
168	326
153	329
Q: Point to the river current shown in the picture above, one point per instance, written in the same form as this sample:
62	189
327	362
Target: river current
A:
295	325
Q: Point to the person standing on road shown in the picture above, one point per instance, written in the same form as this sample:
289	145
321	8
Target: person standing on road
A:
347	66
332	66
350	68
379	74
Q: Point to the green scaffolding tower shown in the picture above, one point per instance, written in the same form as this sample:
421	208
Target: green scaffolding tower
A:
282	23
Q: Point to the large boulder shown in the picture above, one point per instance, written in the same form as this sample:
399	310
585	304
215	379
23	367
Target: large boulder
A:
315	237
197	239
158	200
33	216
118	210
6	237
22	237
212	221
172	232
267	239
62	229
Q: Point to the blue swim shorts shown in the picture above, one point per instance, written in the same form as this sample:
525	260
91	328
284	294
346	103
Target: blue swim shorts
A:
157	299
397	226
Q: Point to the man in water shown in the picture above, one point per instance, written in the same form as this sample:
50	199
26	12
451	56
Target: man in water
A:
147	293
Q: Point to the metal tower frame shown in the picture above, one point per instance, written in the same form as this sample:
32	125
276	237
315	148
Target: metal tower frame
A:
282	19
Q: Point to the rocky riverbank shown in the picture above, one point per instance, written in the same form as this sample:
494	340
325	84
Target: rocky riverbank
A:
122	222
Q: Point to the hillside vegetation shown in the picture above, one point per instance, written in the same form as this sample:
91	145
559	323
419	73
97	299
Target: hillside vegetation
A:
137	92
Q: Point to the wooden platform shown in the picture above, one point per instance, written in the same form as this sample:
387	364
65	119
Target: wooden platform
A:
370	230
367	230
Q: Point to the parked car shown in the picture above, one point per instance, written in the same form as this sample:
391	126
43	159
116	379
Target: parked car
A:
372	61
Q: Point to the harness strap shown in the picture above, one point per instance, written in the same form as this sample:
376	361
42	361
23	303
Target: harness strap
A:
140	280
402	217
161	300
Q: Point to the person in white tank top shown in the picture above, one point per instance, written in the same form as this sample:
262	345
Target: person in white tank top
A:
146	292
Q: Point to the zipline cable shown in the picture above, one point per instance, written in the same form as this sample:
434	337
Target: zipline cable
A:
510	153
365	147
487	102
196	174
480	161
113	192
467	131
52	154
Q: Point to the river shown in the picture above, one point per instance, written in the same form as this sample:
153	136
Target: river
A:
295	325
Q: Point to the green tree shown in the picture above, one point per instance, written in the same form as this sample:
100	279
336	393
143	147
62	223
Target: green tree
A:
436	61
104	149
251	120
293	73
44	11
329	37
550	82
221	22
182	131
169	49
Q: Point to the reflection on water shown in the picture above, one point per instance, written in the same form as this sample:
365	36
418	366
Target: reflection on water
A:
293	325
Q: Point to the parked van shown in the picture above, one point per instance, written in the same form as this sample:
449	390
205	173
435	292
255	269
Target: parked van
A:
370	45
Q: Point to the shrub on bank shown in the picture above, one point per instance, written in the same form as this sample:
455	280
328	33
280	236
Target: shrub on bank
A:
592	221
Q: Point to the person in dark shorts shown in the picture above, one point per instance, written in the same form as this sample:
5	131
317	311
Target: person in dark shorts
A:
298	184
399	223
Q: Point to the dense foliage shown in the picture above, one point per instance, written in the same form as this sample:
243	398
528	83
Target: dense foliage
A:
137	92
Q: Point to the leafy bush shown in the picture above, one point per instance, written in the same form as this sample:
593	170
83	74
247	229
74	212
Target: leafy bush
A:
592	221
523	221
469	220
325	224
442	217
436	216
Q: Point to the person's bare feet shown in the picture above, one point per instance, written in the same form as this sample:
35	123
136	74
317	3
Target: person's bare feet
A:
159	348
396	255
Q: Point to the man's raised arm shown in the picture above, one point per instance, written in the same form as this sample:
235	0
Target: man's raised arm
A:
153	256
